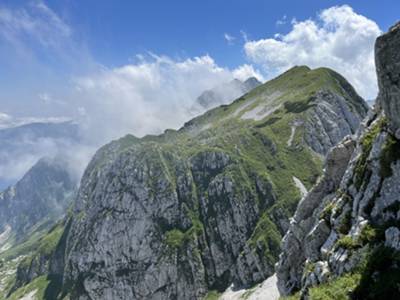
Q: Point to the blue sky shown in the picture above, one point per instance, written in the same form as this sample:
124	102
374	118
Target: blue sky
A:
67	58
117	30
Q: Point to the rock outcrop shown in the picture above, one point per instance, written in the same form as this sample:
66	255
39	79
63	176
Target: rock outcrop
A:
349	222
388	66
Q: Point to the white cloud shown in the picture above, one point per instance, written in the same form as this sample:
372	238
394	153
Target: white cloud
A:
33	23
8	121
339	38
147	97
245	71
229	38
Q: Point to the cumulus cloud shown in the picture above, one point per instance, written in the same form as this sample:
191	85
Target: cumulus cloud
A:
245	71
338	38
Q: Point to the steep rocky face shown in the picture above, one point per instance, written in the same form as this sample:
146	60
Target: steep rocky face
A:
180	214
225	93
347	228
39	198
388	65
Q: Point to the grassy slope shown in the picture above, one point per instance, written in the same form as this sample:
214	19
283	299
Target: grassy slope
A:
38	244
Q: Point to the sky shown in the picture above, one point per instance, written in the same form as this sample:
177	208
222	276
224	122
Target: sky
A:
120	67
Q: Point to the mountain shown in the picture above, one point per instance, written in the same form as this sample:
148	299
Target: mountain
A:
22	146
29	212
192	211
344	239
188	213
39	198
225	93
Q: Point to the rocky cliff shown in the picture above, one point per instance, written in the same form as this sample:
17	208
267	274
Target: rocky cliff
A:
345	233
178	215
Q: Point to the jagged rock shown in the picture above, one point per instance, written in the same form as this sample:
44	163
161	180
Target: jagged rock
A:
331	119
307	233
388	69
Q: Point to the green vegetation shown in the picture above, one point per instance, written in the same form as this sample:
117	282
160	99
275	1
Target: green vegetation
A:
267	236
327	212
361	170
45	245
345	223
347	242
174	238
36	288
295	296
339	289
390	154
368	234
380	278
212	295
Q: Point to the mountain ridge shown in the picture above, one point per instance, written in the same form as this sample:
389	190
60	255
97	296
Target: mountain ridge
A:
202	193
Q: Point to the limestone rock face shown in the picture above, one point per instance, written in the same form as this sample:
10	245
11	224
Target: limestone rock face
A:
388	69
308	232
330	120
354	209
148	232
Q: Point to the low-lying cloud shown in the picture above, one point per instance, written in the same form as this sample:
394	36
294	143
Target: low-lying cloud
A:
148	97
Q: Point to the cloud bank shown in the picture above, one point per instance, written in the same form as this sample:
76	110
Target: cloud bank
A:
338	38
148	97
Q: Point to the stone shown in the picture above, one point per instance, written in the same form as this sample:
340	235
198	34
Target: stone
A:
392	238
387	60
